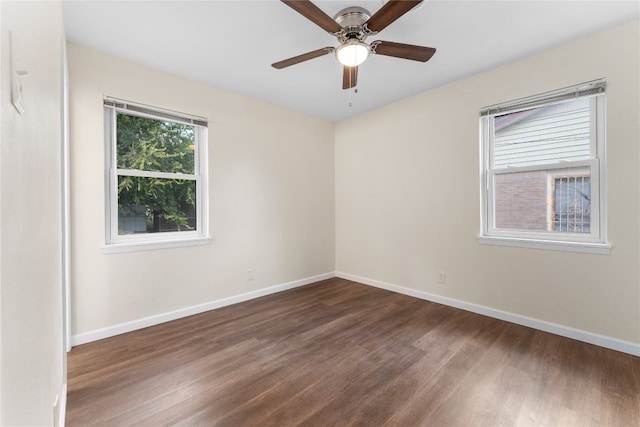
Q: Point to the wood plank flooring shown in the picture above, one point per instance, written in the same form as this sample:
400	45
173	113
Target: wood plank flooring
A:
338	353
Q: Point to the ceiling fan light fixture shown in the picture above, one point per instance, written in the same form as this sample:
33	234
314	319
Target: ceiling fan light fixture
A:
352	53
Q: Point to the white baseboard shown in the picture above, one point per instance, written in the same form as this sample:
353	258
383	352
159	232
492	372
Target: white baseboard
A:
565	331
189	311
576	334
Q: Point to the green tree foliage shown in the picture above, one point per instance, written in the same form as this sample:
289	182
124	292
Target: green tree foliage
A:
153	145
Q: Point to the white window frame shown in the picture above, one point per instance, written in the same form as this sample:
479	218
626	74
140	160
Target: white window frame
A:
147	241
593	242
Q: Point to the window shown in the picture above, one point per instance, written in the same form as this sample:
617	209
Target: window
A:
156	177
543	171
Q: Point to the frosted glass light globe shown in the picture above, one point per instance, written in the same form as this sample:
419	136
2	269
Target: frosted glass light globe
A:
352	53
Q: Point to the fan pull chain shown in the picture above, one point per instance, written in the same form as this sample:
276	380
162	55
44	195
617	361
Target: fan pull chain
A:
352	91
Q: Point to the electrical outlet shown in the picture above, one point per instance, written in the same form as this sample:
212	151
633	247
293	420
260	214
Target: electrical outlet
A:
250	274
442	277
16	77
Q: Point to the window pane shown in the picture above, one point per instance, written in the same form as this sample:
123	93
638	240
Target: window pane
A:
153	205
572	205
521	201
549	134
154	145
543	201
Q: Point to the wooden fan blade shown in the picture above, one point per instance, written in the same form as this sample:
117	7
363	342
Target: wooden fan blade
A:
349	77
388	13
402	50
314	14
301	58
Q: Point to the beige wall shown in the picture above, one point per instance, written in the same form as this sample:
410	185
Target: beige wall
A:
271	198
407	195
32	354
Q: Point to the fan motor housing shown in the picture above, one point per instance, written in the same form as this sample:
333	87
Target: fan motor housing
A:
351	20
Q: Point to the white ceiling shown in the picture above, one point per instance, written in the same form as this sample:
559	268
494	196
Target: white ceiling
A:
231	44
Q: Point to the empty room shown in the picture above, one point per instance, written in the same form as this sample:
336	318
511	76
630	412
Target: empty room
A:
322	213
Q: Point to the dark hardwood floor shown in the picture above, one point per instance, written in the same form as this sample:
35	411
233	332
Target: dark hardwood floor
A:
338	353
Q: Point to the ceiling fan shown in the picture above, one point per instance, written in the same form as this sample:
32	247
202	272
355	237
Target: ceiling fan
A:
352	26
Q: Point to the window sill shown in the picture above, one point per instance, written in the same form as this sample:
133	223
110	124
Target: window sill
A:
553	245
113	248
